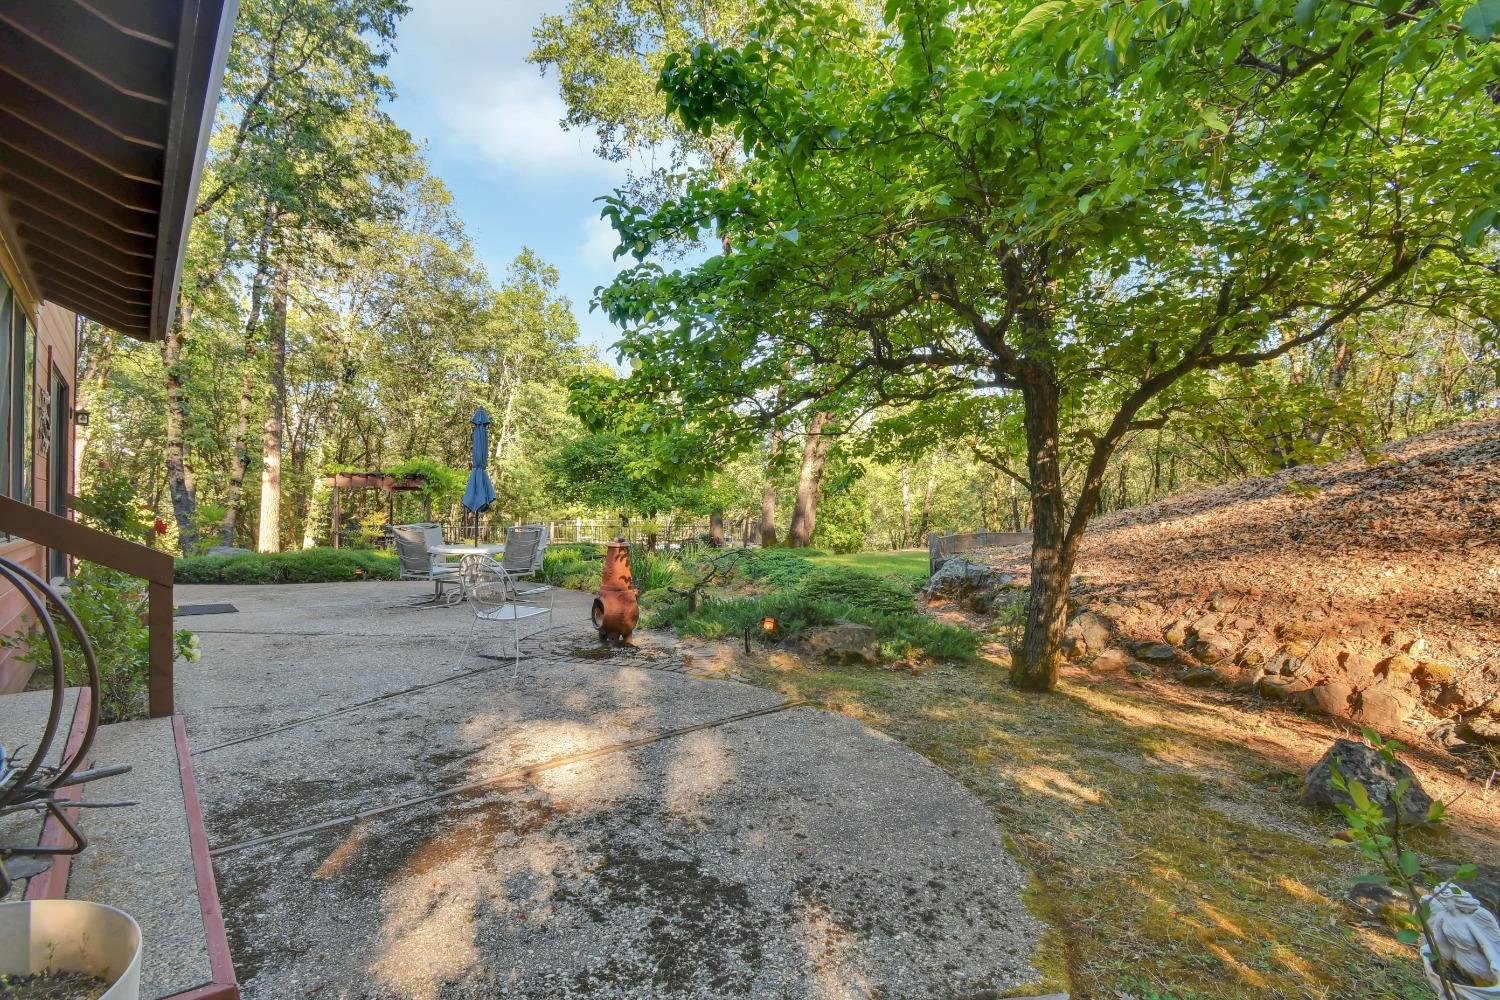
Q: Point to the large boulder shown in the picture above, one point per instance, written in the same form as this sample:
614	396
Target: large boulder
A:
1358	762
958	575
974	585
842	642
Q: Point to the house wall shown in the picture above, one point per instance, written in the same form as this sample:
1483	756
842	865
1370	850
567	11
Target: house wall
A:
56	350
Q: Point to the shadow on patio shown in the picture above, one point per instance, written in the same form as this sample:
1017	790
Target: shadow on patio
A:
396	811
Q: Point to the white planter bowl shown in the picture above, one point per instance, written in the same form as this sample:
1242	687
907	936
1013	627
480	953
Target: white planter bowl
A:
1460	992
70	935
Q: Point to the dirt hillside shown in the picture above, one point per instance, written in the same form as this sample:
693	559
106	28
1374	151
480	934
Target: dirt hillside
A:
1362	590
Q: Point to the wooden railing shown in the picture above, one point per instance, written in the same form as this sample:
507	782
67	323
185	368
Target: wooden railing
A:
153	566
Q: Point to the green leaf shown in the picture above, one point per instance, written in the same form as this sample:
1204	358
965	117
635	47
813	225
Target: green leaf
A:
1035	16
1304	12
1481	20
1410	864
1480	221
1213	120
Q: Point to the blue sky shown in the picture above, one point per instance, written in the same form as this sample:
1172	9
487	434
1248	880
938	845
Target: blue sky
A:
490	122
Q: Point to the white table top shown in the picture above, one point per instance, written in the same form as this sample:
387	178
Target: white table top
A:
488	549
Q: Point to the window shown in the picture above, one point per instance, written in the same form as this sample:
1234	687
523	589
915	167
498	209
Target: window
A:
5	393
17	376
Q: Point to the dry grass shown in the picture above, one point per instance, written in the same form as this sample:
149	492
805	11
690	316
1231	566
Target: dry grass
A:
1169	854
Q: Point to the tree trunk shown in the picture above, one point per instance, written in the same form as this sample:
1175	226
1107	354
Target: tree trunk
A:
239	445
90	384
927	492
809	479
179	465
905	539
270	466
768	495
1036	664
716	529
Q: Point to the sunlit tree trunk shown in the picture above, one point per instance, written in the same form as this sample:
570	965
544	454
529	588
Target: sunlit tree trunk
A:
91	383
239	445
809	479
768	495
1036	663
905	539
179	464
270	467
927	493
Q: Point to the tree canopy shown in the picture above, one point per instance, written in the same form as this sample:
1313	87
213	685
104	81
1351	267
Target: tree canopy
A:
1064	214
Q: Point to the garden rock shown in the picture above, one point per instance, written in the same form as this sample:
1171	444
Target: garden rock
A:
842	642
1357	762
957	576
1211	647
1330	699
1140	669
1111	661
1384	707
228	550
1485	729
1359	670
1089	629
1199	677
1157	652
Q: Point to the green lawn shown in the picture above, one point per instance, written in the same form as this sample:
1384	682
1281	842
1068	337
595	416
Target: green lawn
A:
911	563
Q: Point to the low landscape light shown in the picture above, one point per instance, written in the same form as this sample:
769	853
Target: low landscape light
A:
768	625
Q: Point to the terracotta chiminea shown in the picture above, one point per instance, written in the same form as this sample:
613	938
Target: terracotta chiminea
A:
615	609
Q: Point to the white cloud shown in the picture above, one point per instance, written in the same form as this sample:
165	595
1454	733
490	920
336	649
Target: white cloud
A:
511	123
464	63
599	242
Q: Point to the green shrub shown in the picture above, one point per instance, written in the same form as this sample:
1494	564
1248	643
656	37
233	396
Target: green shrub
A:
860	588
320	565
652	570
109	605
573	566
780	569
897	633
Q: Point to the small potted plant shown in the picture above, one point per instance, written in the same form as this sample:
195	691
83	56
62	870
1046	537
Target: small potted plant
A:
68	949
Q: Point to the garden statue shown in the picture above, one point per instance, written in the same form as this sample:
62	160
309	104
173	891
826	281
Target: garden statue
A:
1467	936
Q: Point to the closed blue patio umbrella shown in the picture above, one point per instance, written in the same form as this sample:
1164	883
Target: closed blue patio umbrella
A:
480	492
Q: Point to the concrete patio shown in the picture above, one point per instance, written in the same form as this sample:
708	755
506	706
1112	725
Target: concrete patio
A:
395	811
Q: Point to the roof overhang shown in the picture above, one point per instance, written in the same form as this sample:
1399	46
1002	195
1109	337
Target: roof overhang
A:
105	112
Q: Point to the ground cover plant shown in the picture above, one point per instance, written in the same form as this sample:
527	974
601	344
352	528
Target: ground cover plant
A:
801	590
318	565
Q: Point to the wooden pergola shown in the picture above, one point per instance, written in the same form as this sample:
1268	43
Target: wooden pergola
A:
372	481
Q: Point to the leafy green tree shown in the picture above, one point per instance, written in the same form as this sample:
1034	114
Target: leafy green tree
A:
1061	216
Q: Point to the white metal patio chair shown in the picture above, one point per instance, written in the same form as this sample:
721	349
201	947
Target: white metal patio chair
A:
497	593
417	563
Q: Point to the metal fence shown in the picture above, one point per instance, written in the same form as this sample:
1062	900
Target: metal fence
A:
670	533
